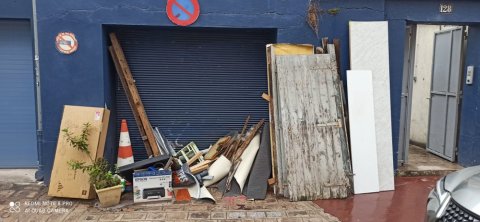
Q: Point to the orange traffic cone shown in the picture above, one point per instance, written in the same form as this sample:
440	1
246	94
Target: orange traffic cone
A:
125	153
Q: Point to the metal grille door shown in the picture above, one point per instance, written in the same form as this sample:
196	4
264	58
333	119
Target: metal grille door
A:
445	93
196	84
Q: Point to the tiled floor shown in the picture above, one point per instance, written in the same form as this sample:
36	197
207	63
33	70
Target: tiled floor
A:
422	163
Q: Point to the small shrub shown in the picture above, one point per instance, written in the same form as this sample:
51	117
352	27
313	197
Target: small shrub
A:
99	170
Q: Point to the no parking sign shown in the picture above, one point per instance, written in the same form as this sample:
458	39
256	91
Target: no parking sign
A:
183	12
66	42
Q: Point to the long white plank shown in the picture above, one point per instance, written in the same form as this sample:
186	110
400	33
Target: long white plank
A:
362	131
369	51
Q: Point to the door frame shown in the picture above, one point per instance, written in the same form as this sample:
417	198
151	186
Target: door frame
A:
406	96
406	106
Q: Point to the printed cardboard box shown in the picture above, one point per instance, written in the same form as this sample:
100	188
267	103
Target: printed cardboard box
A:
152	186
64	181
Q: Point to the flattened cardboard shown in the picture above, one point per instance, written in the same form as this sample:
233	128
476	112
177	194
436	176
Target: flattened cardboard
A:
64	181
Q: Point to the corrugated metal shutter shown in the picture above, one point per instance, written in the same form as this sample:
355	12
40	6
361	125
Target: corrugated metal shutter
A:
17	97
196	84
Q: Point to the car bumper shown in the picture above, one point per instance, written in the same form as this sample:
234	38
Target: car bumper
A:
433	204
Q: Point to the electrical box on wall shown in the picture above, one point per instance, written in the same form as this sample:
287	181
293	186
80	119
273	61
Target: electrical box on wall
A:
469	80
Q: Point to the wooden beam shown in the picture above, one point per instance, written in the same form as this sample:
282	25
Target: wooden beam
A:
199	168
271	111
194	158
266	97
324	45
336	43
136	100
130	101
271	181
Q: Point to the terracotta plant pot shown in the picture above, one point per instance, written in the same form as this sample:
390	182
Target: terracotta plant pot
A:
109	196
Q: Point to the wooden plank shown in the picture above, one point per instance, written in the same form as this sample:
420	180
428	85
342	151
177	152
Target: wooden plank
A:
125	71
198	169
336	43
266	97
309	140
372	37
324	45
271	115
130	101
362	131
272	50
194	158
341	105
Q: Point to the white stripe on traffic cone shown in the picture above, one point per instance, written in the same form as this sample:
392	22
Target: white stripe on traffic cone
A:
125	153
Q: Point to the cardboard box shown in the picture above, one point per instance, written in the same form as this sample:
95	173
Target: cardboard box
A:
64	181
152	186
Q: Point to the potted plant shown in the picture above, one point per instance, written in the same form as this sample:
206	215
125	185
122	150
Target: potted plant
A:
107	185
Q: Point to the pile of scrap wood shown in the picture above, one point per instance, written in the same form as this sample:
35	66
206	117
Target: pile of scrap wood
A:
231	158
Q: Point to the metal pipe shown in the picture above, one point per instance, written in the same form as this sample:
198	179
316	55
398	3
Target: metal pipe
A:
38	102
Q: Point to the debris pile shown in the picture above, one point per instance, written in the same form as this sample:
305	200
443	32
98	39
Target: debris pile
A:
290	152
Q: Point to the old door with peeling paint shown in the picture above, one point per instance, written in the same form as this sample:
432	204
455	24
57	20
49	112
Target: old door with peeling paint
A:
309	129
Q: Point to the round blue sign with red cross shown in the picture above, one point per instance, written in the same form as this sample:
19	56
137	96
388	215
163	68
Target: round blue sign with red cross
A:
183	12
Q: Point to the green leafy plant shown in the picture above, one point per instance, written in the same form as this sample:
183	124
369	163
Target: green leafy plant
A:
99	170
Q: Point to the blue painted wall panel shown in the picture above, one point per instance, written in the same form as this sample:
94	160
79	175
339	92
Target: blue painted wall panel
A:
16	9
469	139
428	11
396	32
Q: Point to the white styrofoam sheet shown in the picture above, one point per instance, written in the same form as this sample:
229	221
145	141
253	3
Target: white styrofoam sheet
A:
362	131
219	169
369	51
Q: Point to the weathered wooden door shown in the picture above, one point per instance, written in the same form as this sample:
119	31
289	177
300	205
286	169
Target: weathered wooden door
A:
310	137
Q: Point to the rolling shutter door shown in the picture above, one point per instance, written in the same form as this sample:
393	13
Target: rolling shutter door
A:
196	84
17	96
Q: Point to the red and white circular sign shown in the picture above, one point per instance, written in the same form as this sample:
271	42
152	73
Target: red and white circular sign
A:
66	42
183	12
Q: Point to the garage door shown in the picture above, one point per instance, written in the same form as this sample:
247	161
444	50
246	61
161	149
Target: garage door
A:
196	84
17	113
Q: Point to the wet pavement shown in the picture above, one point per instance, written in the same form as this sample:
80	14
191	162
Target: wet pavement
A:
405	204
422	163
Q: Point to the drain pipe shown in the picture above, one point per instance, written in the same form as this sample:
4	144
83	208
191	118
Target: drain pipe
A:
39	175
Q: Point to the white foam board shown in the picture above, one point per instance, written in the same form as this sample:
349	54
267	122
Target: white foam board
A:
369	51
362	131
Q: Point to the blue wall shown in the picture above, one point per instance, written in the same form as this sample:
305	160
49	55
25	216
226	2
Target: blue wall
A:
469	139
83	77
427	11
16	9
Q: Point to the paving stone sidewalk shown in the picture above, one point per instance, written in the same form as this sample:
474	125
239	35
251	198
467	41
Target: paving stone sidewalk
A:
29	202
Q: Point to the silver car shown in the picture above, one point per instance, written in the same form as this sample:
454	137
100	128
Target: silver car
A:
456	197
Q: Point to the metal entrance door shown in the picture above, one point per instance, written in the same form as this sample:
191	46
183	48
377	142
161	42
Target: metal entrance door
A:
445	93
